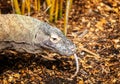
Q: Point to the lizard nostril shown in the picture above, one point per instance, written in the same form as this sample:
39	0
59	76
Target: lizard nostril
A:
73	48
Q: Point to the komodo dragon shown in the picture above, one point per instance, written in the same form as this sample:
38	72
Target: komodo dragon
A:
27	34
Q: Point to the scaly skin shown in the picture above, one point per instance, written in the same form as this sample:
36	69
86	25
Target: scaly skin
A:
26	34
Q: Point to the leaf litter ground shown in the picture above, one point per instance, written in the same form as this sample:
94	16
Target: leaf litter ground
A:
98	50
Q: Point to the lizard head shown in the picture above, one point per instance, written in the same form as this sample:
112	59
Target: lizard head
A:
52	38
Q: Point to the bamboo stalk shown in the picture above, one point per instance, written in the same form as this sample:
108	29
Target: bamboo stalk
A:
71	1
56	10
35	5
38	5
52	10
48	6
23	7
16	6
48	2
68	7
61	7
27	2
66	17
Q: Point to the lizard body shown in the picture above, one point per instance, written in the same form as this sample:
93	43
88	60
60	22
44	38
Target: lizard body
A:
27	34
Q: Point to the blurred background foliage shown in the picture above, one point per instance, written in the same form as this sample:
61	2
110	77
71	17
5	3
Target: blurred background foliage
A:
56	9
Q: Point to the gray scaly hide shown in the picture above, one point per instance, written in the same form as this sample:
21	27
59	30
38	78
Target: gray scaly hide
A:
26	34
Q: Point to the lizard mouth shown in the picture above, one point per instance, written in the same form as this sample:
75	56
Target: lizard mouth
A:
67	52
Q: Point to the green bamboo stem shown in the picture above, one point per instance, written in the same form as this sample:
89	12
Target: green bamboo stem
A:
61	7
23	7
27	2
48	2
38	5
35	5
66	17
49	5
52	10
56	10
16	6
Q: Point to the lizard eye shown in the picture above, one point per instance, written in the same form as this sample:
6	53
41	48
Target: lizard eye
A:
55	38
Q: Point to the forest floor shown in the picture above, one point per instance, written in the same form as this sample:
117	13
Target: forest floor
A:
98	50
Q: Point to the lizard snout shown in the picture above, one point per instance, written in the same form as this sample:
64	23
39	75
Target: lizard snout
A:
73	48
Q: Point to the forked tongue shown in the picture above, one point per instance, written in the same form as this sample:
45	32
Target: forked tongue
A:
77	66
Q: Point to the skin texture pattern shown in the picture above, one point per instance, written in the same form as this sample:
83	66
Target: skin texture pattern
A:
27	34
